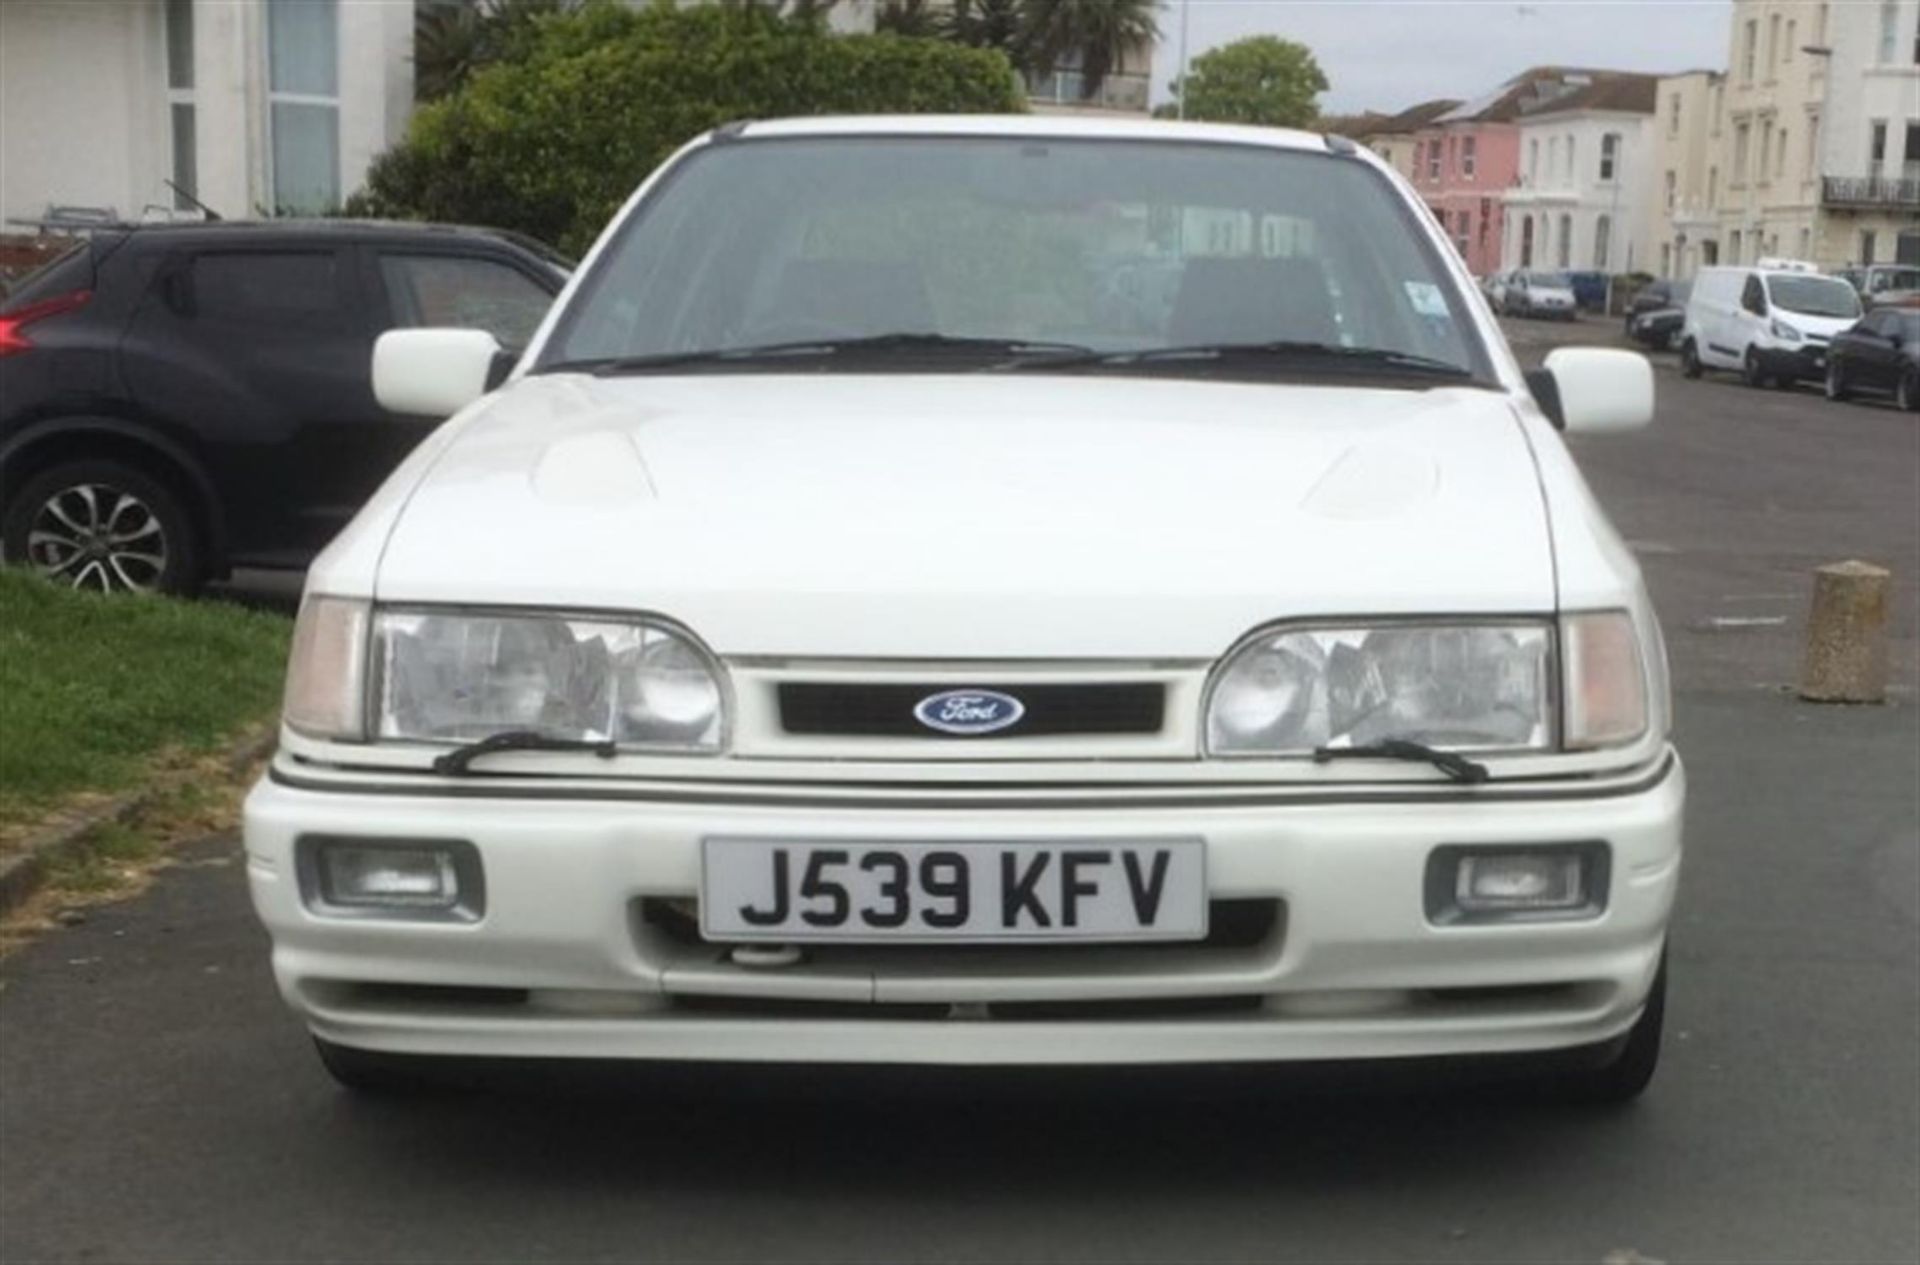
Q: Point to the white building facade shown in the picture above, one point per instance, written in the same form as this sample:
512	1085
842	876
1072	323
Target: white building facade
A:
249	106
1583	183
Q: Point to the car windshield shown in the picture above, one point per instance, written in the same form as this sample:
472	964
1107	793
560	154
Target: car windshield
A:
1814	296
1885	279
937	249
1550	280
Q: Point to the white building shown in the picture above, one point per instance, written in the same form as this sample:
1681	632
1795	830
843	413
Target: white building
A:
248	105
1579	200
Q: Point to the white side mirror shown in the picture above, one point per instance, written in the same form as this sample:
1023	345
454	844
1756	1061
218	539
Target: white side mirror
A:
1601	389
432	372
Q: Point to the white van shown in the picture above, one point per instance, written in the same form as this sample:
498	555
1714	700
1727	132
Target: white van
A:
1772	322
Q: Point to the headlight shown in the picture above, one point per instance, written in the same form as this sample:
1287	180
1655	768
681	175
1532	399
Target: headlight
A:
1785	332
455	677
1462	687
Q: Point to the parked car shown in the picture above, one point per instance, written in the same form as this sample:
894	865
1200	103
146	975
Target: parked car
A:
1657	313
1772	325
1539	294
846	638
1884	283
178	400
1880	354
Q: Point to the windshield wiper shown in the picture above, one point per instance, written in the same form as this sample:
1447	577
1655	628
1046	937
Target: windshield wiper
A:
1279	351
817	348
1451	763
457	761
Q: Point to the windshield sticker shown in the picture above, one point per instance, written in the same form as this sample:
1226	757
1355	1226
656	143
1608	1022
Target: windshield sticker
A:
1427	299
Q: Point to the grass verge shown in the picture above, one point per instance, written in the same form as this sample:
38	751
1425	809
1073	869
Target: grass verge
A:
97	694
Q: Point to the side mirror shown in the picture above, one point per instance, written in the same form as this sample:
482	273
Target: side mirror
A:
433	372
1599	389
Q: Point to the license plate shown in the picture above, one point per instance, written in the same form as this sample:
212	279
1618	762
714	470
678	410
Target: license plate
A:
765	889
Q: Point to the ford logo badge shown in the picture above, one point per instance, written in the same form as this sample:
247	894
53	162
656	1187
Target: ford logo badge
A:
969	712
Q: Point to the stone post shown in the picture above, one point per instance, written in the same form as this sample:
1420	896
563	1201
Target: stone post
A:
1846	660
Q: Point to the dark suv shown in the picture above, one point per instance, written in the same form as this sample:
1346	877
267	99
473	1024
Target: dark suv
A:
179	400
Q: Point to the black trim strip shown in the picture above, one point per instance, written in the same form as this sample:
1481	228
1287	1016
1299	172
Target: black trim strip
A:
717	796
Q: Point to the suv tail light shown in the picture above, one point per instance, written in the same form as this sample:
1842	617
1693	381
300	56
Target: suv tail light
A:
13	341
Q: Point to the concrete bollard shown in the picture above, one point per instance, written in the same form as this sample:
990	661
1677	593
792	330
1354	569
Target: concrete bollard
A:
1847	635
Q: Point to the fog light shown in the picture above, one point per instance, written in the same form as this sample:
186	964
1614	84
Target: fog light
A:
1519	880
1515	884
425	879
414	878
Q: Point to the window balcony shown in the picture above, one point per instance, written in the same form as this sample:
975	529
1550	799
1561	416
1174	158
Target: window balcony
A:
1871	191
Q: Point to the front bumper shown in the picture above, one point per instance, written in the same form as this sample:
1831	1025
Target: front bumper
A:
1801	361
573	960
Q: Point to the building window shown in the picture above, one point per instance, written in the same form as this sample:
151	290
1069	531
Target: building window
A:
1673	190
1533	162
1820	27
1793	35
1806	244
1766	151
1733	247
1780	155
1773	44
1609	154
1564	246
1673	115
1602	239
1877	147
180	116
1573	167
1433	159
1553	160
1709	253
1713	187
1467	146
1911	156
303	81
1741	135
1866	245
1748	47
1889	30
1526	242
1813	146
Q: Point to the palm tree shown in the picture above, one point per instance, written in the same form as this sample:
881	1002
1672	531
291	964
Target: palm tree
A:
908	17
1100	33
997	24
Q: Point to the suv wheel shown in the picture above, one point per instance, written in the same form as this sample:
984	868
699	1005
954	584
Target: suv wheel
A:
1750	371
105	526
1622	1079
1837	388
1690	365
1907	394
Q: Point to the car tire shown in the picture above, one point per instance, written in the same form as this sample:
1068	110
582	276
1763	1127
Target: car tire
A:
1690	366
1907	394
376	1073
1750	371
104	525
1627	1074
1836	386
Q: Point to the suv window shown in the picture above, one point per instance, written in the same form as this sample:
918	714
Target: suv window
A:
66	272
466	292
297	289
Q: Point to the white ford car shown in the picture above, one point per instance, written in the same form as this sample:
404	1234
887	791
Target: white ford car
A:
985	591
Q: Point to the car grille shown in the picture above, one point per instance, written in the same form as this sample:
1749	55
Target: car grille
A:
875	710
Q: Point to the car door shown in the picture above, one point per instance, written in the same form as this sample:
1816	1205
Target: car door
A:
265	350
1874	352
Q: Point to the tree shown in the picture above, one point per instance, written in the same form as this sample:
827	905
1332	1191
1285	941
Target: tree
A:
1262	79
1099	33
452	41
916	19
552	143
997	24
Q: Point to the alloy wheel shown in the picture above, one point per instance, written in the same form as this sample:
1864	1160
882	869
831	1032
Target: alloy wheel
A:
96	536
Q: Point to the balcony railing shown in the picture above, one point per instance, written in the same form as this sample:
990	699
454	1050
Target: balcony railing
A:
1870	191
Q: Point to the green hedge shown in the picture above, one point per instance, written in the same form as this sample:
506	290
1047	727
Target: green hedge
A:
553	144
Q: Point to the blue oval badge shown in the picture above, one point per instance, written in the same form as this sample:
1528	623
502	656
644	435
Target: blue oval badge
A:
969	712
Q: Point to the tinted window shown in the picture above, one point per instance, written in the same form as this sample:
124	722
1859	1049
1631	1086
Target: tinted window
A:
70	271
1753	297
1112	245
1907	325
300	289
465	292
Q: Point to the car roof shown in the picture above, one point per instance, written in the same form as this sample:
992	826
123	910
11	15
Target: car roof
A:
232	232
1041	125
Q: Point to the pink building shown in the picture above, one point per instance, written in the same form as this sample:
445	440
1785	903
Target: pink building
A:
1466	159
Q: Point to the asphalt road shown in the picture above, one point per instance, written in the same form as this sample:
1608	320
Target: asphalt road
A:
157	1104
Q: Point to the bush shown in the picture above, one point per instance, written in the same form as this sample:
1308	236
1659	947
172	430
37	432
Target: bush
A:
552	144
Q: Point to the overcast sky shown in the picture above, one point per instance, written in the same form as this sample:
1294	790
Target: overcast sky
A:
1389	54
